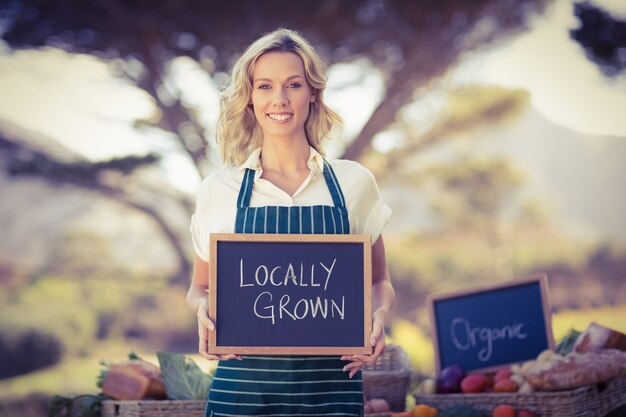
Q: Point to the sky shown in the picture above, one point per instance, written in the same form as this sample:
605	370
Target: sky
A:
565	86
76	100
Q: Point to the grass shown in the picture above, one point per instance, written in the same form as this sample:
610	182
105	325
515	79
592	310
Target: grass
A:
78	375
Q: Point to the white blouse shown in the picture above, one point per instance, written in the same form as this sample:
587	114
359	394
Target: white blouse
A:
216	201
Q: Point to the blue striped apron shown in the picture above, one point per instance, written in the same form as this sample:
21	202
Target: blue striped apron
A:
281	386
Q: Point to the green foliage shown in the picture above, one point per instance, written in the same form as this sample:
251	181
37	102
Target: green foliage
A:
566	345
80	312
444	261
54	305
80	406
82	298
471	193
483	104
182	378
104	370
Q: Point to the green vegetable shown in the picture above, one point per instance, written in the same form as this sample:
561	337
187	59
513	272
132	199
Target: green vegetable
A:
461	410
80	406
106	365
183	379
566	345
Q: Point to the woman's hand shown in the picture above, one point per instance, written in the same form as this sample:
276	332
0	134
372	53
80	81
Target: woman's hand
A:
377	340
205	325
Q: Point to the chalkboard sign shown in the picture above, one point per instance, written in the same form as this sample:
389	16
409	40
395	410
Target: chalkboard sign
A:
290	294
485	329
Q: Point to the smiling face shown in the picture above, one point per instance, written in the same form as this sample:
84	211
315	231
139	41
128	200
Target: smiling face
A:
281	95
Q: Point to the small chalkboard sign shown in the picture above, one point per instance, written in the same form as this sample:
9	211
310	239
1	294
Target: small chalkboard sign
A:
290	294
488	328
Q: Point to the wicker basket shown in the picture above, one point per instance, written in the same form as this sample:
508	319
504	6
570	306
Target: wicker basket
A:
153	408
389	378
588	401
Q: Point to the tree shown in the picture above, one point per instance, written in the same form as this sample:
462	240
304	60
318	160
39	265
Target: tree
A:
602	36
410	42
467	192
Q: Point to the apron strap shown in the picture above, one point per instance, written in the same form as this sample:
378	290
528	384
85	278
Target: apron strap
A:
333	185
245	191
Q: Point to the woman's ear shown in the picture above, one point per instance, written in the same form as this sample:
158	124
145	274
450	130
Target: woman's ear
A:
312	99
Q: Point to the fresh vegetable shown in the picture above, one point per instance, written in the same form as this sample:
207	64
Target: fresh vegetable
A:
423	410
83	405
133	379
401	414
502	374
461	410
474	383
548	355
597	337
526	388
379	405
503	411
125	383
505	385
566	345
449	380
427	386
183	379
526	413
518	379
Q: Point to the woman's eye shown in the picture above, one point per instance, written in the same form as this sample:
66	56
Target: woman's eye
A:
264	87
295	85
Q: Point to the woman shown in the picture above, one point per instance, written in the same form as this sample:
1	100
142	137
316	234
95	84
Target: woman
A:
271	125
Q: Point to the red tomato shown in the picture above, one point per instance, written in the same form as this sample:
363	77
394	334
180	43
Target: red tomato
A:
503	411
502	374
474	383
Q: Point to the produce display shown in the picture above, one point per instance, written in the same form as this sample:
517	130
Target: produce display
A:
376	405
449	379
176	378
597	337
576	369
581	359
133	379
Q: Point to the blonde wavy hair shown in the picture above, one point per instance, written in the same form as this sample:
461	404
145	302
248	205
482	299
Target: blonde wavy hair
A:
238	133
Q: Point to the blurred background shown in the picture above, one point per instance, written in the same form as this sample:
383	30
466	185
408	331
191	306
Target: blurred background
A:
496	130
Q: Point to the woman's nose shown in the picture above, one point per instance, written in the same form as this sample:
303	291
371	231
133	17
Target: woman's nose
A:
280	98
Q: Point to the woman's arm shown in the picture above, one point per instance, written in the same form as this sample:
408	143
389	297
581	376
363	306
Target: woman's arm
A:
199	287
383	296
197	300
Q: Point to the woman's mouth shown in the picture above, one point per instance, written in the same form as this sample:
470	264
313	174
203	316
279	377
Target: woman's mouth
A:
280	117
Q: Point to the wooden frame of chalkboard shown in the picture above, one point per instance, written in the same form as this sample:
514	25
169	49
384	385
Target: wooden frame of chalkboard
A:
277	269
487	328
